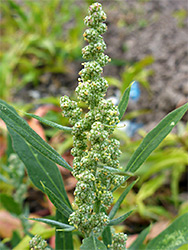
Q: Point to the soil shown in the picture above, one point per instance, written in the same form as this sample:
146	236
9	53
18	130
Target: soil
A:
163	37
137	29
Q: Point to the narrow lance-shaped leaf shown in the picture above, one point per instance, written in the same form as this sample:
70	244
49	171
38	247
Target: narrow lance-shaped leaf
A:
124	102
154	138
138	243
115	171
49	123
58	203
20	126
119	219
55	223
172	237
39	168
120	200
107	236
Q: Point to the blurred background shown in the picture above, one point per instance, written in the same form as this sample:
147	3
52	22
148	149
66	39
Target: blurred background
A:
40	57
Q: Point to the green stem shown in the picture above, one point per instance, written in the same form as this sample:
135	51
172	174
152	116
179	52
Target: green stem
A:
63	240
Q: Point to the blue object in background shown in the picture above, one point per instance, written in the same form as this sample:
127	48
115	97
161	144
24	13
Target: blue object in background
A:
135	91
132	126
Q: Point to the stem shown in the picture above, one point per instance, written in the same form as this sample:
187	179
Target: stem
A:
63	240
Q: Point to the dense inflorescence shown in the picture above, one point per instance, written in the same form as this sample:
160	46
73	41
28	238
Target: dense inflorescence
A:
93	146
37	243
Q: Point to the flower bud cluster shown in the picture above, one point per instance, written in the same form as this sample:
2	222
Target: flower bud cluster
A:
119	241
88	220
93	147
70	109
37	243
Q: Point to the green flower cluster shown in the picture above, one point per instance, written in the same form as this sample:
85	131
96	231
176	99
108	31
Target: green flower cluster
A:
118	241
93	146
37	243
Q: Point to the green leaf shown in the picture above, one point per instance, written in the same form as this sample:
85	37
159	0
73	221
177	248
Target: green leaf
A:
183	247
138	243
119	219
58	203
10	204
124	102
107	236
18	10
39	168
172	237
155	137
49	123
120	200
148	188
15	239
116	171
92	243
54	223
20	126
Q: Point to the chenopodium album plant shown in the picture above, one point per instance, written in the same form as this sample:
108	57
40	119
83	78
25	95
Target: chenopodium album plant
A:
91	132
96	165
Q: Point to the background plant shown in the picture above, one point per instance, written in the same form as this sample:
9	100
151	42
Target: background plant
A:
36	40
164	167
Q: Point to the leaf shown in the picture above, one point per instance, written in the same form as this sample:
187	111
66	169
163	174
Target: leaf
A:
155	137
49	123
10	204
92	243
107	236
55	223
20	126
183	247
39	168
120	200
148	188
58	203
119	219
173	237
137	244
116	171
124	102
18	10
